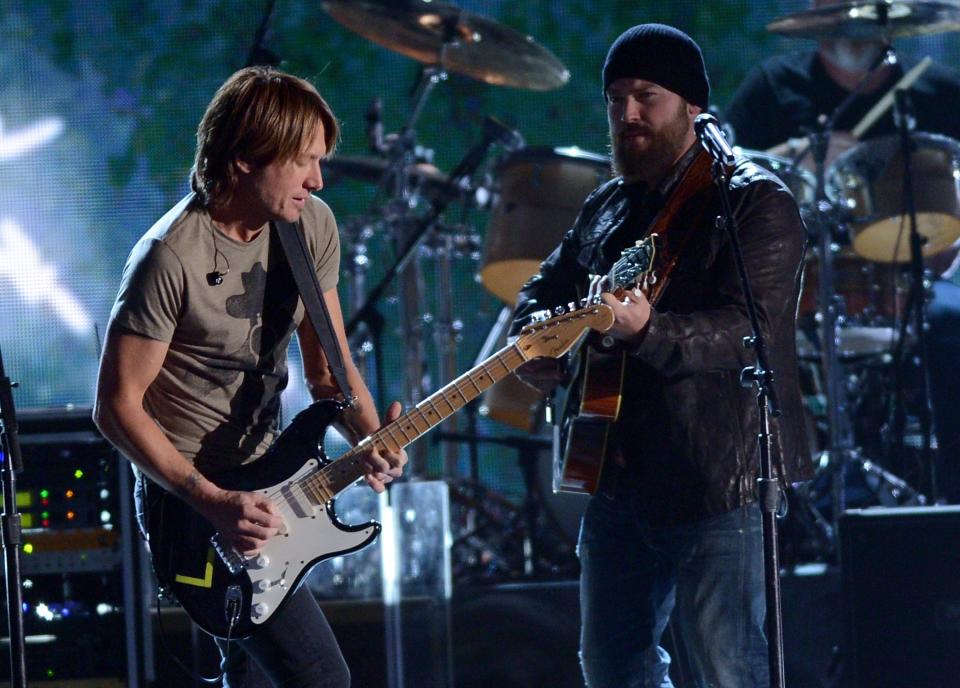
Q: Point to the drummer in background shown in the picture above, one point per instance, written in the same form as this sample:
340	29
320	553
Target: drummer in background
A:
779	102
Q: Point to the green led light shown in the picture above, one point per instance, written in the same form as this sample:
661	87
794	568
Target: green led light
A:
44	493
28	548
78	474
49	673
45	514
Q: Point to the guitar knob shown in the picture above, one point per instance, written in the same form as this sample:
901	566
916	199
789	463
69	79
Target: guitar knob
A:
559	310
263	585
260	609
263	561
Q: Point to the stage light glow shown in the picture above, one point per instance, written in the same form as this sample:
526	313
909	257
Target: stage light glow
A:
36	280
22	141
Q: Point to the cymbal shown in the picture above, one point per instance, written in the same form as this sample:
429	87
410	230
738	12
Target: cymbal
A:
864	21
436	33
372	169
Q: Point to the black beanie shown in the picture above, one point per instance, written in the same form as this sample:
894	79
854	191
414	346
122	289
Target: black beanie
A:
662	54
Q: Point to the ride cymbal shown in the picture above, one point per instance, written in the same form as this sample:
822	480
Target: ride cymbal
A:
864	21
442	34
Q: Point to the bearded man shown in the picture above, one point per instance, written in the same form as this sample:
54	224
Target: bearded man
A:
674	527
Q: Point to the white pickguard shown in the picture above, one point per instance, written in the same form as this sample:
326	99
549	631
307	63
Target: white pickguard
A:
310	535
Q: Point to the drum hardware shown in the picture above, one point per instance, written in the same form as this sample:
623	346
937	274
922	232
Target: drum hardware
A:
840	457
916	302
444	38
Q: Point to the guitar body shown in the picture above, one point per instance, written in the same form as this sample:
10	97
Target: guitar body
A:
229	595
188	564
590	406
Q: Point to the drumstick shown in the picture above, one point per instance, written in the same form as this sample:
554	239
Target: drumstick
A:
906	81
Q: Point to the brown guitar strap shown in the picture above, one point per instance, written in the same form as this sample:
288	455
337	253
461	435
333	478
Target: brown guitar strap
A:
681	221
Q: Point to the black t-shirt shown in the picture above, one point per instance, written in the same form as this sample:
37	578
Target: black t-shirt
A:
783	96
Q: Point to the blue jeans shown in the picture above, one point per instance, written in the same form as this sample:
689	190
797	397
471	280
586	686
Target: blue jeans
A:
635	575
296	648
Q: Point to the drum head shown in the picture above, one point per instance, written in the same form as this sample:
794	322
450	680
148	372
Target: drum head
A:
868	184
539	193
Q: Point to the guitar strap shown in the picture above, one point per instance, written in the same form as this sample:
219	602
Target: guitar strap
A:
681	220
305	275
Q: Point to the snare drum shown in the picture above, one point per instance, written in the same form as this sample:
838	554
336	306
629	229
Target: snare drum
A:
871	298
867	183
539	193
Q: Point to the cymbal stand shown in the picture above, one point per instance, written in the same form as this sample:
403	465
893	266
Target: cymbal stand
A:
840	449
393	202
916	301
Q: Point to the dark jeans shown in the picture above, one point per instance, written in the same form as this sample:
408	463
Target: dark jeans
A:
943	345
295	648
634	575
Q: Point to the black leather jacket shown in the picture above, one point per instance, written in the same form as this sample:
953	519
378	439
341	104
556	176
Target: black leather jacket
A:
686	439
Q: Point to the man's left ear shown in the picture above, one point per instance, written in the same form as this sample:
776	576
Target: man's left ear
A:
693	110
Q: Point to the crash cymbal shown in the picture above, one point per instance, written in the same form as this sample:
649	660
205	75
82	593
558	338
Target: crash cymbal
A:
371	169
442	34
865	21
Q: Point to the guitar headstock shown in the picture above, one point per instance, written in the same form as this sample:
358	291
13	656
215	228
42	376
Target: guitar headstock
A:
555	336
635	267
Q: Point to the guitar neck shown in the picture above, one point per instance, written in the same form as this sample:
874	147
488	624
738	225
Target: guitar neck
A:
340	474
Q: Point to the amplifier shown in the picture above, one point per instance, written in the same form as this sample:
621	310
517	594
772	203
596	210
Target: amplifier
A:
902	596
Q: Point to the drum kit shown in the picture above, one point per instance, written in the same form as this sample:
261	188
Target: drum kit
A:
856	325
529	195
881	217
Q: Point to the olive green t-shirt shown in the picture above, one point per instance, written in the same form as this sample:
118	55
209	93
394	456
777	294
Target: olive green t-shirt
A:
217	395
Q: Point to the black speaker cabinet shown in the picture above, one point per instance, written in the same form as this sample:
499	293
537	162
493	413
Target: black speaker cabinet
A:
900	570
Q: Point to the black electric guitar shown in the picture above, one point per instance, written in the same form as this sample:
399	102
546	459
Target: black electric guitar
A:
230	595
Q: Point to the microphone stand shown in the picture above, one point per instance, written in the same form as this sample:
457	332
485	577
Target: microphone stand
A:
10	520
760	375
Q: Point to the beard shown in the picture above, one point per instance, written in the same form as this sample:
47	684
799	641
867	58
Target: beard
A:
650	158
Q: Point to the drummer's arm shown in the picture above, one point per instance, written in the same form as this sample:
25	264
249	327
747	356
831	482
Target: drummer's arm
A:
946	263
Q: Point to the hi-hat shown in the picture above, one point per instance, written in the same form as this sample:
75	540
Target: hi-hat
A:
442	34
864	21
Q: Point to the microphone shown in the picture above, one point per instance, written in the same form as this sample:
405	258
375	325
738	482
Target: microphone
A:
215	278
712	139
374	119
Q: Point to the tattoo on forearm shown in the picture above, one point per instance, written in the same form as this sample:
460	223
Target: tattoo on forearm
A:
191	481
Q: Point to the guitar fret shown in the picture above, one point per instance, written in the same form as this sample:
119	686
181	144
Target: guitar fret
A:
474	383
433	408
426	422
443	395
